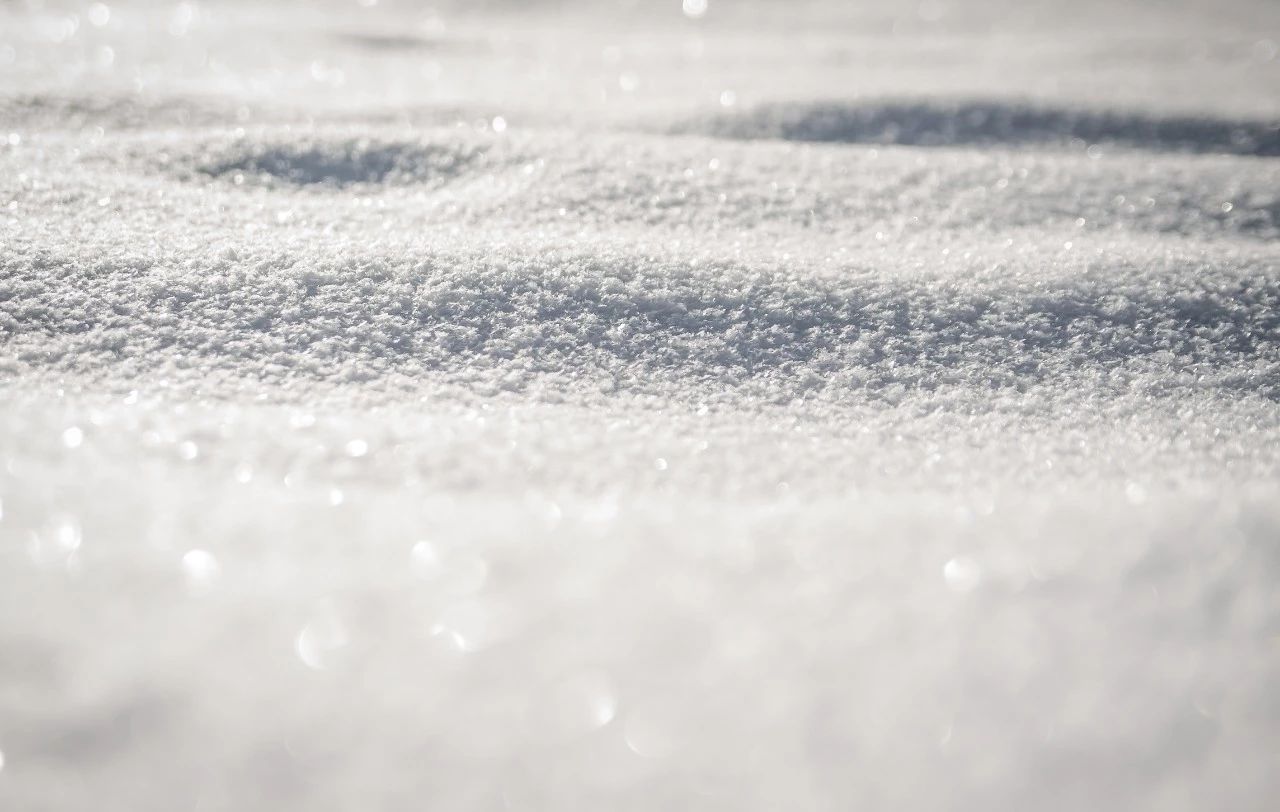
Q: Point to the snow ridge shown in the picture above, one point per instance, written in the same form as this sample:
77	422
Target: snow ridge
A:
847	330
992	123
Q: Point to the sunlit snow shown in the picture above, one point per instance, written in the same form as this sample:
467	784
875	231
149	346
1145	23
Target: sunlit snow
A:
639	405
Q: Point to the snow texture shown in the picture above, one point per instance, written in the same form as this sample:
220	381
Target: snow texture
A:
637	405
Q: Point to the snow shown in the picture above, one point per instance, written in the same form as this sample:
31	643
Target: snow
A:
697	405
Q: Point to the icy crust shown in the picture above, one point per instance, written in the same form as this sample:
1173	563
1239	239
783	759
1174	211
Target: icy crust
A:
1169	324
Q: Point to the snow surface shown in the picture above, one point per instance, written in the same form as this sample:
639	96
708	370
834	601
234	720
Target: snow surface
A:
639	405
